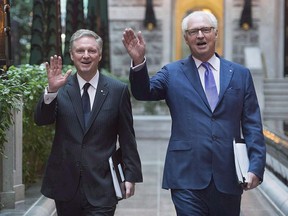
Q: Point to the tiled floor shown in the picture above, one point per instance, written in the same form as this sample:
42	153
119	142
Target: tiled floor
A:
151	200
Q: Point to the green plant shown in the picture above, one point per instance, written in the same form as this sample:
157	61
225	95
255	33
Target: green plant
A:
21	87
11	90
36	140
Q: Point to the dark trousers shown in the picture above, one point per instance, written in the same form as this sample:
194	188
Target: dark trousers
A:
206	202
79	206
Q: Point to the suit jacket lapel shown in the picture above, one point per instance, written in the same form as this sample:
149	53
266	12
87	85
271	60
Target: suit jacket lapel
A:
191	72
101	94
226	72
73	91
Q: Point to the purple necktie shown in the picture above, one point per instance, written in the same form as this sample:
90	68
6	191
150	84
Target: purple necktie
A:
210	86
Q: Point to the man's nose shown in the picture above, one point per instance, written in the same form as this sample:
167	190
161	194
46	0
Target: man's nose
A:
86	54
200	33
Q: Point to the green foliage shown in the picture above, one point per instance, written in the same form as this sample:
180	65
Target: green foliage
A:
37	52
45	31
21	21
26	83
36	140
74	21
10	99
20	88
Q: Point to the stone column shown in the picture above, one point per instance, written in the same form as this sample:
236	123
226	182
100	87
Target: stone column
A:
253	61
12	190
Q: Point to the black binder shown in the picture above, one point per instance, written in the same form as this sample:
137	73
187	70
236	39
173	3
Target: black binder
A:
117	172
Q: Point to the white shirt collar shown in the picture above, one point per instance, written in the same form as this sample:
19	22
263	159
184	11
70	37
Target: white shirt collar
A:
93	81
212	61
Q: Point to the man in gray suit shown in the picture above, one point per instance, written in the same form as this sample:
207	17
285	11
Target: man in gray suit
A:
209	99
77	175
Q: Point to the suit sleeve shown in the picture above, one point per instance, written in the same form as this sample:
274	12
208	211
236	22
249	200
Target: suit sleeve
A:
149	89
127	140
252	130
45	113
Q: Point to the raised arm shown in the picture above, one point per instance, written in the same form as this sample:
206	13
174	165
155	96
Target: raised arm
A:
135	45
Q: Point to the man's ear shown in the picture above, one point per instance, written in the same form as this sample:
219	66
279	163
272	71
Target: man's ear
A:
216	33
185	38
71	55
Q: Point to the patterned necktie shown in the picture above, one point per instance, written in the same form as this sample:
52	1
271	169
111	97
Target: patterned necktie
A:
210	86
86	103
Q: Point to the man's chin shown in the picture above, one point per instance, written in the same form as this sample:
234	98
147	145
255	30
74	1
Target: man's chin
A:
85	69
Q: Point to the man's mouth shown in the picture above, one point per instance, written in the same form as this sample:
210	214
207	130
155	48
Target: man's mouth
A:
202	43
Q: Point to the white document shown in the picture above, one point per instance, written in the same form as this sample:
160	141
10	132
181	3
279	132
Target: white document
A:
117	174
241	161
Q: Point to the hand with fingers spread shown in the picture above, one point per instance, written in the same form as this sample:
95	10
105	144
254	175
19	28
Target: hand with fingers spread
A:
135	45
54	73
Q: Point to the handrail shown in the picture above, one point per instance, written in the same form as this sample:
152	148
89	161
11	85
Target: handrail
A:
277	154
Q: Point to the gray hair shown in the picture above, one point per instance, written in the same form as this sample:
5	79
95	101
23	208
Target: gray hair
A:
86	33
210	16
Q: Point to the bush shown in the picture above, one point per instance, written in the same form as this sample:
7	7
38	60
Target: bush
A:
36	140
11	90
26	82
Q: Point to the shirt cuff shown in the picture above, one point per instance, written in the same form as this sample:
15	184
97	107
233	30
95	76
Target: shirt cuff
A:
49	97
139	66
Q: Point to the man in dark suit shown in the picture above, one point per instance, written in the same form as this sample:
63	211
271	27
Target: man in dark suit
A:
77	175
210	99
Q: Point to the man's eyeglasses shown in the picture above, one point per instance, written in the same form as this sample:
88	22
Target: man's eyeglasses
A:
204	30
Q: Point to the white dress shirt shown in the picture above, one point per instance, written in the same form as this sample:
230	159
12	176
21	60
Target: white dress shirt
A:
214	62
